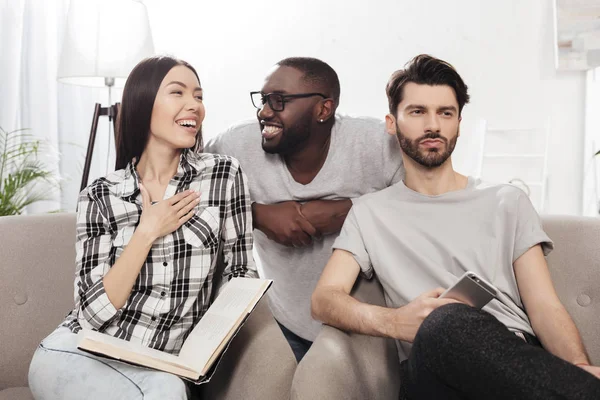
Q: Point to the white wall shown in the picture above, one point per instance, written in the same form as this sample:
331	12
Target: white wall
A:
503	49
591	164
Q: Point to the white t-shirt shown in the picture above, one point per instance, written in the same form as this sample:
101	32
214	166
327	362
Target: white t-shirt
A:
362	159
415	242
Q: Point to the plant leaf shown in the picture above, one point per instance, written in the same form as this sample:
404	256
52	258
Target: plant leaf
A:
21	172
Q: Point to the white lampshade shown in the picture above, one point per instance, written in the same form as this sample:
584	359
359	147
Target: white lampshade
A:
104	39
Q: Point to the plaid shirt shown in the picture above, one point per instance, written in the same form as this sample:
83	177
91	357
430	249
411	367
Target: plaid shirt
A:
175	284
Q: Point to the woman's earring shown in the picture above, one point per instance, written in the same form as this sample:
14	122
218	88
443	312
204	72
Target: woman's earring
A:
321	121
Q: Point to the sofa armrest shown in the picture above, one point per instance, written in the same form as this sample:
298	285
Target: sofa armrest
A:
259	363
343	365
574	266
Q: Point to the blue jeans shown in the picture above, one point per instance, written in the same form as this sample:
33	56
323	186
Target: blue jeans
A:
59	370
299	345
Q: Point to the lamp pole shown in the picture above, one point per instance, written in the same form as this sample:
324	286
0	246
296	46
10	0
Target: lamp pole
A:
111	111
110	82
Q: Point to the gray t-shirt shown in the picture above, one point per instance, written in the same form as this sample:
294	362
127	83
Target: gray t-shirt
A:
415	242
362	159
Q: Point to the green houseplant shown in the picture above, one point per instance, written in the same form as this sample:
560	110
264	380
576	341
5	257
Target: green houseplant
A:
24	179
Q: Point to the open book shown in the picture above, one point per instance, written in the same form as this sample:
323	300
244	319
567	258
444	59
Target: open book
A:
203	346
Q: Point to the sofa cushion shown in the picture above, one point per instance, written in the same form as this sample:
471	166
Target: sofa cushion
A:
36	290
16	393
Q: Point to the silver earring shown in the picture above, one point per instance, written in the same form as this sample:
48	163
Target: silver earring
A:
321	121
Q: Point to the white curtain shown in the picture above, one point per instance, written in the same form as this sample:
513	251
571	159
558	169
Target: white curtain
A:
31	34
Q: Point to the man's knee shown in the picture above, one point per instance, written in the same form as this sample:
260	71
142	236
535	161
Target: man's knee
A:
450	316
450	321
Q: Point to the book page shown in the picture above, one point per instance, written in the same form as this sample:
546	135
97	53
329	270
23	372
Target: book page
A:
228	311
131	346
132	352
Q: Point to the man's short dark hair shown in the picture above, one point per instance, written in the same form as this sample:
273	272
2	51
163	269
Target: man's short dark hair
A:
425	70
316	72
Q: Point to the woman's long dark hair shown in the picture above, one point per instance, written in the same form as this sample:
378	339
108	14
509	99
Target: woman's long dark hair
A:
133	123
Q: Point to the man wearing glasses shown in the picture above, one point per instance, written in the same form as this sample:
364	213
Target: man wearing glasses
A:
304	164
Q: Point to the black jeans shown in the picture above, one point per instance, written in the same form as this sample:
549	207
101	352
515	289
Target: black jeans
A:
464	353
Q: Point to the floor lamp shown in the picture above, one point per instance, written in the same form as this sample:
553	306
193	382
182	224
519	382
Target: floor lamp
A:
104	40
111	112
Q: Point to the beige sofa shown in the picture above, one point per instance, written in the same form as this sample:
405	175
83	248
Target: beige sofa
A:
36	291
348	366
37	260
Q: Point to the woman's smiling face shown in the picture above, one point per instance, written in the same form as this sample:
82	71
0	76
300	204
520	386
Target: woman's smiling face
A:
178	110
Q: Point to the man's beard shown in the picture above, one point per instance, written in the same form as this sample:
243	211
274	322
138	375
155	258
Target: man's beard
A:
291	138
430	158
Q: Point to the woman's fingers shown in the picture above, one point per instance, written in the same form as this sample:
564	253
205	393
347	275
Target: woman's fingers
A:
188	207
145	196
185	218
170	214
186	201
175	200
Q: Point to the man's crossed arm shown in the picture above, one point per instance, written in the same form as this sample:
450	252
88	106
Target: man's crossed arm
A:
294	224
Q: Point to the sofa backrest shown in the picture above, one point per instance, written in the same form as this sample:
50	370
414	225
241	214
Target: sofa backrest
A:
37	264
37	270
575	268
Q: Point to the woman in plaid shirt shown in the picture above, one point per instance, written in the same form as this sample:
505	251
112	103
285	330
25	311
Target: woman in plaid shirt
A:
148	239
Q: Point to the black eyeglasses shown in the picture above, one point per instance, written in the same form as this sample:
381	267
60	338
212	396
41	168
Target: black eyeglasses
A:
277	100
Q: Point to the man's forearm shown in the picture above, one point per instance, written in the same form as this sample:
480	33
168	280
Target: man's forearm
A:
256	215
338	309
558	334
260	215
327	216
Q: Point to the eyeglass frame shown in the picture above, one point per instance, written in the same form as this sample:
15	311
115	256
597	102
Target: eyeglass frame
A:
284	98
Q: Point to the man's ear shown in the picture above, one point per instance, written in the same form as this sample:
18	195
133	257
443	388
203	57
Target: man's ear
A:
390	124
458	130
326	110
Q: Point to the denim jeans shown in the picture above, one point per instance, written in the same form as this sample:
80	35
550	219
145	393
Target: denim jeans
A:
299	345
59	370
